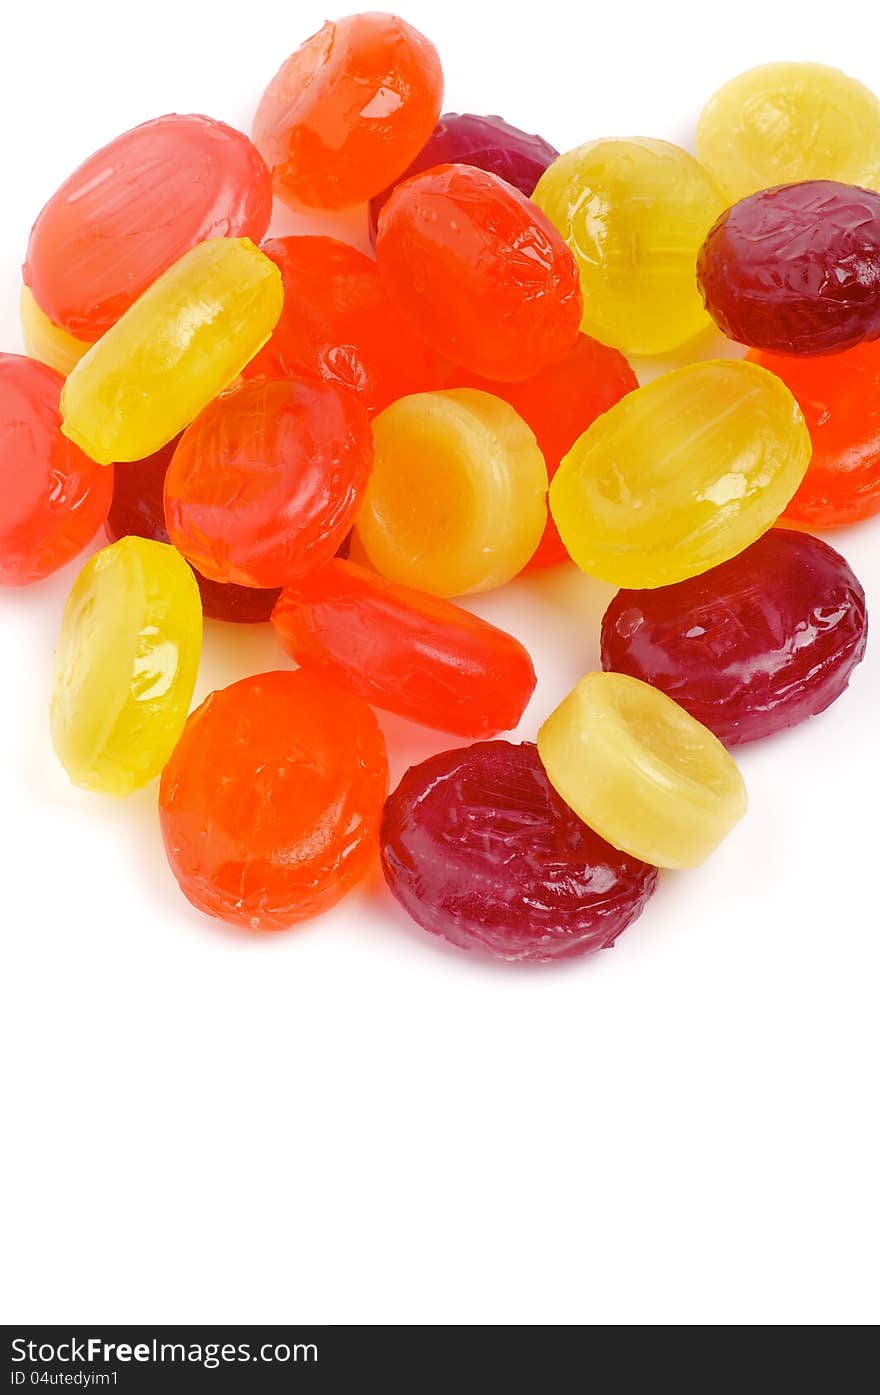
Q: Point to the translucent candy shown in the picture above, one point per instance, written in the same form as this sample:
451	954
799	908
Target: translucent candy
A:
749	648
681	474
54	499
406	651
478	847
786	122
641	771
634	213
457	498
270	804
183	342
125	666
47	342
345	114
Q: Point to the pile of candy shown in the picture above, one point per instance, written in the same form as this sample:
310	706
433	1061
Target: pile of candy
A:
230	408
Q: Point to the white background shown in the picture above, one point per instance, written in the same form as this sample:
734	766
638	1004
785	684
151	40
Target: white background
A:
349	1122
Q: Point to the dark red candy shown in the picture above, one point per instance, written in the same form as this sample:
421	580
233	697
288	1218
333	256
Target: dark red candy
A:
479	848
751	647
796	269
489	143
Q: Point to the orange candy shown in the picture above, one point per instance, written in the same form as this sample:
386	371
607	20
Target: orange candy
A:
270	803
348	111
839	395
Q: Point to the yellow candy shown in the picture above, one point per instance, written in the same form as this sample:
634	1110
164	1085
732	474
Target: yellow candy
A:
48	343
635	214
786	122
642	772
681	474
126	665
181	343
457	501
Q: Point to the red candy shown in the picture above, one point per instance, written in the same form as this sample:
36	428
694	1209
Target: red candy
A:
400	649
796	270
751	647
559	403
133	208
479	270
54	499
339	324
479	848
271	800
265	483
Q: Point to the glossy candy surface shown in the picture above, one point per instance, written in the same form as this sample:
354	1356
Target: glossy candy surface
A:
483	275
345	113
125	665
457	498
265	483
681	474
270	804
488	142
786	122
405	651
559	403
839	395
184	341
641	771
53	499
796	270
339	323
751	647
47	342
634	213
478	847
134	208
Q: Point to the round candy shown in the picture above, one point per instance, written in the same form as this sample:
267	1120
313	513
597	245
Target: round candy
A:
478	847
634	213
482	274
641	771
488	142
406	651
265	483
45	341
134	208
681	474
785	122
559	403
54	498
839	396
457	498
796	269
338	323
186	339
270	804
751	647
126	665
345	113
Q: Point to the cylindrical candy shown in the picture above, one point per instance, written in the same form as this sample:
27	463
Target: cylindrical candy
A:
482	274
134	208
265	483
54	499
405	651
681	474
270	804
786	122
185	340
641	771
346	112
751	647
796	270
634	213
48	343
457	498
126	665
478	847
